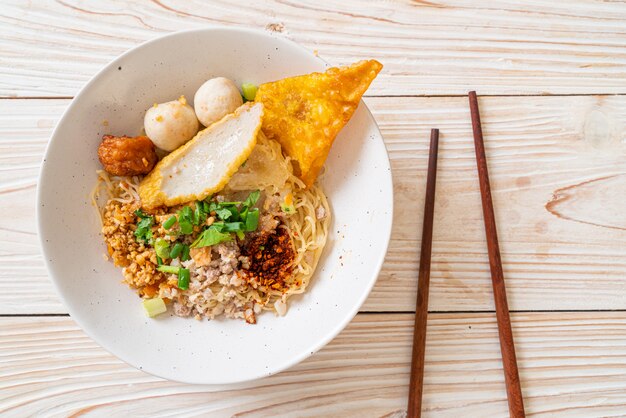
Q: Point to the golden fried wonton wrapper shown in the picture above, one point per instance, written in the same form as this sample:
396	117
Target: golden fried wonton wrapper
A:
305	113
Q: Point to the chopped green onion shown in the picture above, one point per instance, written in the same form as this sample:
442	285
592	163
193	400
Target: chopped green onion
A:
183	279
249	91
240	234
244	213
162	248
230	211
288	209
168	269
252	220
154	307
176	250
232	227
184	256
261	247
198	214
159	261
170	222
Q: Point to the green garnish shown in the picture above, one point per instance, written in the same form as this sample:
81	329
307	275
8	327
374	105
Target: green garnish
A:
288	209
185	220
233	217
234	211
170	222
225	213
186	213
159	261
184	256
252	199
188	217
140	213
144	226
249	91
252	220
183	278
176	250
244	213
186	227
154	307
199	216
162	248
168	269
232	227
211	236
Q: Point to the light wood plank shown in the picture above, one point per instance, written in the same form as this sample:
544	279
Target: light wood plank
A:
558	177
571	364
25	127
563	152
428	47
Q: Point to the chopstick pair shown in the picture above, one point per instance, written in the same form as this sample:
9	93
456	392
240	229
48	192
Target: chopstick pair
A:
507	347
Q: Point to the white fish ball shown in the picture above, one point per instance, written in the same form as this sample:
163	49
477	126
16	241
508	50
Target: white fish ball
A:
215	99
169	125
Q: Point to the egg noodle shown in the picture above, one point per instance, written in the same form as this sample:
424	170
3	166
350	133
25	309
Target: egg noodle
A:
268	170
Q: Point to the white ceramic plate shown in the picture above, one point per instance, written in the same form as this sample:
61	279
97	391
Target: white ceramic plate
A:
357	182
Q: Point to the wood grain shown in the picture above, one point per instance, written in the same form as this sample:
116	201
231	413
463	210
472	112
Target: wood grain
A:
507	345
416	386
550	158
571	364
540	151
440	47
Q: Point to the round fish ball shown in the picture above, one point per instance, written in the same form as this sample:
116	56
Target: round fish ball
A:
215	99
169	125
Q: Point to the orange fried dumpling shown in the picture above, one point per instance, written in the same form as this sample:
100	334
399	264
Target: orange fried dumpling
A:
305	113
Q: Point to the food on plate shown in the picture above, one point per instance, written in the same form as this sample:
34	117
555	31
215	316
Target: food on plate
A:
127	156
248	91
215	99
305	113
223	226
204	165
169	125
154	306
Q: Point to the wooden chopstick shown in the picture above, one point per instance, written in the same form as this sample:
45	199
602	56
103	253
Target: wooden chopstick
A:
507	347
414	409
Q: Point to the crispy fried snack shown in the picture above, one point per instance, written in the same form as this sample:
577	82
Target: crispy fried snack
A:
305	113
127	156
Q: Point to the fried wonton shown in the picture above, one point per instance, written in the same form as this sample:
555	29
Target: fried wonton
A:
305	113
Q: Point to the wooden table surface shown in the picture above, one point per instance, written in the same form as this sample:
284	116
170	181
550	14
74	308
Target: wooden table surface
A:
552	76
